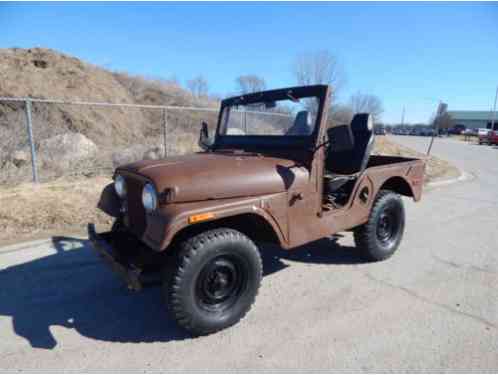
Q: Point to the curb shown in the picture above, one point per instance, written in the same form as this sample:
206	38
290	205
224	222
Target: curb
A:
23	245
464	176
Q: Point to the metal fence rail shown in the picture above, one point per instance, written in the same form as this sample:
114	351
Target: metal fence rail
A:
103	104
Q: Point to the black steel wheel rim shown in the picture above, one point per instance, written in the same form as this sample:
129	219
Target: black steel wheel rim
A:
221	282
388	226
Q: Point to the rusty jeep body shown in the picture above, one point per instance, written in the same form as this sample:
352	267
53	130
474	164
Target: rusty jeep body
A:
275	171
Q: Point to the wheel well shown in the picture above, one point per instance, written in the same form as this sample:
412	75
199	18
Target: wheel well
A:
398	185
253	226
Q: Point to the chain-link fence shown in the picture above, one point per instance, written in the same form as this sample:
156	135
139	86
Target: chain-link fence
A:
41	140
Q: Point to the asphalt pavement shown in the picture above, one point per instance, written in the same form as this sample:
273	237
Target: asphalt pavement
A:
431	307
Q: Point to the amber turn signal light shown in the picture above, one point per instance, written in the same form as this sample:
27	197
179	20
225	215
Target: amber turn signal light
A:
200	217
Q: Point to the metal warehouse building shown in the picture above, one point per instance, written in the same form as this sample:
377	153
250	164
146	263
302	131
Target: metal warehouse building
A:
473	119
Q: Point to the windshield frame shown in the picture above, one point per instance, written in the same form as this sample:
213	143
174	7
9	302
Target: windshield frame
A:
272	141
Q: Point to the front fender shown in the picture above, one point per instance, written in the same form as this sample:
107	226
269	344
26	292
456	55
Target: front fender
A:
164	224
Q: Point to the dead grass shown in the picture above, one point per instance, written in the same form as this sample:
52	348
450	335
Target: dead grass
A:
28	210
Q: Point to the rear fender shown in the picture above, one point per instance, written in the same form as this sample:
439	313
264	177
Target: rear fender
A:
409	186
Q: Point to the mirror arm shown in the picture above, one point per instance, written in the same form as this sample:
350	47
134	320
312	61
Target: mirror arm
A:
204	141
323	144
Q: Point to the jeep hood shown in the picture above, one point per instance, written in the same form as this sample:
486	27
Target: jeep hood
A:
205	176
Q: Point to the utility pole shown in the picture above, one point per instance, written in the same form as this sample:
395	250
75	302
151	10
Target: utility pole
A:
493	115
403	116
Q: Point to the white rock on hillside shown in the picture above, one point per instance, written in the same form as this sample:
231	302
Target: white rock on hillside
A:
65	149
128	155
135	153
21	157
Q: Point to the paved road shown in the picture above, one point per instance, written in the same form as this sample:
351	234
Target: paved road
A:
433	306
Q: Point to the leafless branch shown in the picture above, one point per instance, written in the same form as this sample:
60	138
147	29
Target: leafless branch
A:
366	103
319	67
250	83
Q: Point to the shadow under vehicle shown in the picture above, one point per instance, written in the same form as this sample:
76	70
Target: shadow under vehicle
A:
273	173
69	288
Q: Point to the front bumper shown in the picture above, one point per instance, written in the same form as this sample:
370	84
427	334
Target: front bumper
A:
126	270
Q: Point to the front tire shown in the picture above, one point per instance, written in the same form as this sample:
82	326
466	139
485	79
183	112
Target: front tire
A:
216	281
380	236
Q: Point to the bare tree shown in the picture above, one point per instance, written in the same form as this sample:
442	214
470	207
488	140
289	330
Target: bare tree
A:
250	83
198	86
340	114
365	103
319	67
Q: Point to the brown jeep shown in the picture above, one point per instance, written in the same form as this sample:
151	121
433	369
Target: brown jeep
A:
273	172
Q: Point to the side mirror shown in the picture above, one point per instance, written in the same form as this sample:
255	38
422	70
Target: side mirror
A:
204	142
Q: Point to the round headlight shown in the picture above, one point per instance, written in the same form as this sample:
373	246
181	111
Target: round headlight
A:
149	198
120	186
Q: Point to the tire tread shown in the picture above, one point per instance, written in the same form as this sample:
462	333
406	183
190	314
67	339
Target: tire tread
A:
190	249
364	235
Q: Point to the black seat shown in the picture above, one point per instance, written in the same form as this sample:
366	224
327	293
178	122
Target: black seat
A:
302	124
349	150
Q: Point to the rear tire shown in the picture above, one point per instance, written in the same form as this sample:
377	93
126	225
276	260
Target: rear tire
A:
216	281
380	236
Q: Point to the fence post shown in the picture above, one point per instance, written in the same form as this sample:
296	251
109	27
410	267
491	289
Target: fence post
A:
165	132
245	122
31	142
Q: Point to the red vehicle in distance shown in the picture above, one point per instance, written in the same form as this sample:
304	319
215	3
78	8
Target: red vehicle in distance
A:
488	135
492	137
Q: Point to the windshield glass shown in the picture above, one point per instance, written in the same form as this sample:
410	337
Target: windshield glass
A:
286	117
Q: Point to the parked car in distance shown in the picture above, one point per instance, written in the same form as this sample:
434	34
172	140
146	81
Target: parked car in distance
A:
493	137
457	129
380	130
427	132
443	132
470	132
414	132
482	134
403	132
